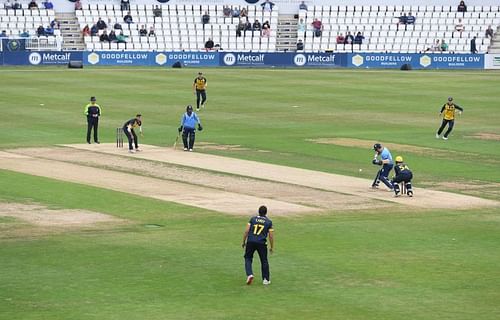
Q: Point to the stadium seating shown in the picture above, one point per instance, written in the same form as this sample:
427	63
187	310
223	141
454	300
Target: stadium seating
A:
379	25
16	21
179	28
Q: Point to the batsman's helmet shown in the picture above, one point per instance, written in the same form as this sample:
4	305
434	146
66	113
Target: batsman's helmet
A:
377	146
399	159
189	107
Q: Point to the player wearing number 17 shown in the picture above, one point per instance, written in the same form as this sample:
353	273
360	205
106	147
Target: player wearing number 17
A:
258	229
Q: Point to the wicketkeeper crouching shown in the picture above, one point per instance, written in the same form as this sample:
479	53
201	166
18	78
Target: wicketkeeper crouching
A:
403	174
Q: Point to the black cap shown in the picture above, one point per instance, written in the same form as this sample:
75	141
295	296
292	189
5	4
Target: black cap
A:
262	210
377	146
92	99
450	98
200	73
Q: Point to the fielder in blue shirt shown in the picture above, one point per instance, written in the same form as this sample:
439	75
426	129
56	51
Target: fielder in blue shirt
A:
189	120
386	162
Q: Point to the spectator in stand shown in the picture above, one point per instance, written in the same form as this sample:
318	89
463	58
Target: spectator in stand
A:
152	32
256	25
7	5
267	6
104	36
266	31
459	27
227	12
303	6
235	12
462	7
142	31
121	38
117	26
266	24
94	30
489	32
340	39
300	45
33	5
55	24
78	5
248	25
86	31
349	39
359	38
48	5
16	5
49	31
4	34
239	28
403	19
209	45
125	5
301	26
205	18
40	31
444	45
101	25
128	18
317	27
24	34
112	36
243	12
410	19
473	48
435	47
157	12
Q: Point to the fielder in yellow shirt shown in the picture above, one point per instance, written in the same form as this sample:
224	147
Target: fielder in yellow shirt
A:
448	114
200	90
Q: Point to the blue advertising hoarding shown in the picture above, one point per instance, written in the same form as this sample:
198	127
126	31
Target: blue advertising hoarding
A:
417	61
124	58
319	59
40	57
285	59
247	59
144	58
202	59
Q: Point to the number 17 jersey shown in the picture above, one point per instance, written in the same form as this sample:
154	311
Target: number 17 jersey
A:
259	229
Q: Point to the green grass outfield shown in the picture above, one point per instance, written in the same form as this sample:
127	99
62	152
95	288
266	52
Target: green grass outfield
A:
355	265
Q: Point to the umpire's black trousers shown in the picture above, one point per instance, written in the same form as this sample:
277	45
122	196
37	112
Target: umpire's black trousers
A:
92	123
261	249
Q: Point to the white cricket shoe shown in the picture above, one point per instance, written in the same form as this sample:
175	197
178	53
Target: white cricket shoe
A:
445	138
437	136
138	150
185	149
266	282
249	279
131	151
190	150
